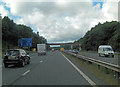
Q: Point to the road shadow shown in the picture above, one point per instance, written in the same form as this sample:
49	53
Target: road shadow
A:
13	67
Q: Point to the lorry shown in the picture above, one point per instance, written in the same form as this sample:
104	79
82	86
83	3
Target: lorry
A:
105	50
41	49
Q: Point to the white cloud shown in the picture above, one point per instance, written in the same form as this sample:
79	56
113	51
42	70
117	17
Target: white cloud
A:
63	21
20	21
3	11
110	10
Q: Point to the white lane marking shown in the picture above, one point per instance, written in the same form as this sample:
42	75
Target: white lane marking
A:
25	73
41	61
86	77
0	66
11	65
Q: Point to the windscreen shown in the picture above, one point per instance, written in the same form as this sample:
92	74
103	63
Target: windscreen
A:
108	49
12	53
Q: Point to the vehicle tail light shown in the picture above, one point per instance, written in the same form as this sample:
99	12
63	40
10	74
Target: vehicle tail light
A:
19	55
5	54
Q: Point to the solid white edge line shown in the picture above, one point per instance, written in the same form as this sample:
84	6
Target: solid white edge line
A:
25	73
85	76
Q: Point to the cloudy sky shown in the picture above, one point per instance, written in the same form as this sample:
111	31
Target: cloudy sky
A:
60	21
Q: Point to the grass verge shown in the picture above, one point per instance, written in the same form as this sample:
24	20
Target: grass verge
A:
93	68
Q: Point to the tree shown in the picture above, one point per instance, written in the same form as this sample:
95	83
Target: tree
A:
102	34
11	33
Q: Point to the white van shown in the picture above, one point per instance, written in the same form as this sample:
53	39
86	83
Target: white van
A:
105	50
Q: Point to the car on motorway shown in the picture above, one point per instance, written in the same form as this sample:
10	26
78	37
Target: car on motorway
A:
70	50
16	57
75	51
53	50
105	50
65	50
43	52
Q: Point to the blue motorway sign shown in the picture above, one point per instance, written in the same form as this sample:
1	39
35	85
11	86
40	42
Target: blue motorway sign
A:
25	42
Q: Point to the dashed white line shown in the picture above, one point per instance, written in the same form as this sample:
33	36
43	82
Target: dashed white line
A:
85	76
41	61
25	73
11	65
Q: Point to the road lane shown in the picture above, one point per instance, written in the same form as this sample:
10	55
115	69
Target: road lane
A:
51	69
10	74
85	76
54	70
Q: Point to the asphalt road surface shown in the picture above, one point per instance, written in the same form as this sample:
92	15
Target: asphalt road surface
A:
51	69
115	60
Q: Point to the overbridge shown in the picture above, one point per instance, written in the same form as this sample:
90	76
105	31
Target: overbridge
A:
62	44
67	44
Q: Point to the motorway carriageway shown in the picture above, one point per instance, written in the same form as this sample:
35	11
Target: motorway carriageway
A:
51	69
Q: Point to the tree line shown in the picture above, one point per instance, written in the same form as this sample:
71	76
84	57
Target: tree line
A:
12	32
107	33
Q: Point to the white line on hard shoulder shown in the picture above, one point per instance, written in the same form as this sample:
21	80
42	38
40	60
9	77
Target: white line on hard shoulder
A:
25	72
85	76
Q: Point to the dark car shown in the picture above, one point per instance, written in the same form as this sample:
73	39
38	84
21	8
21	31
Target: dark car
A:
16	57
42	53
75	51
